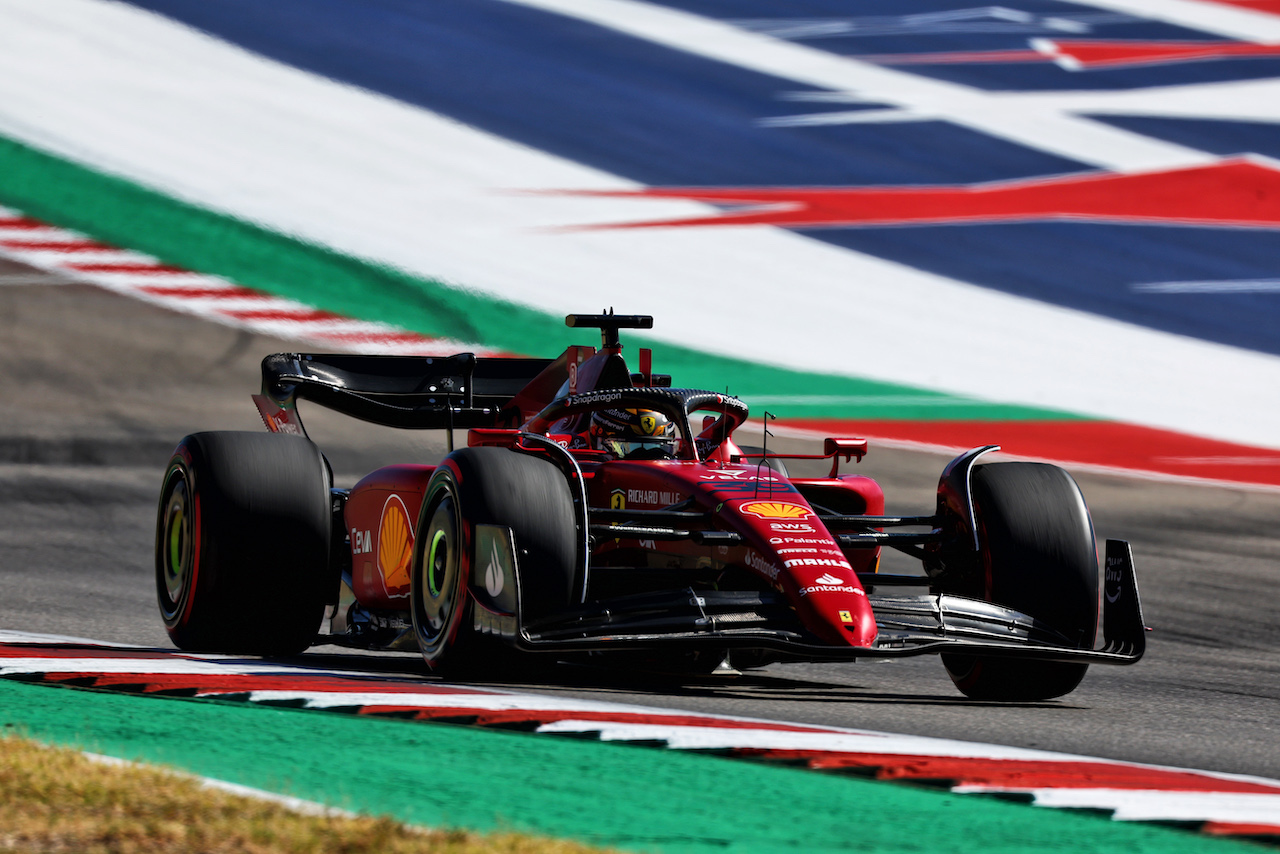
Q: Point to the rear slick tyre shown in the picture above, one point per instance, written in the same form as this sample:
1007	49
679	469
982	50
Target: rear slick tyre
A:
242	543
491	486
1038	556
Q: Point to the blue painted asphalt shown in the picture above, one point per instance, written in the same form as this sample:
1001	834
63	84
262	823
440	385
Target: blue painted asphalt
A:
662	117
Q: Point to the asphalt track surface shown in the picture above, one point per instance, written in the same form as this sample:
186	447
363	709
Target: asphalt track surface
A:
96	389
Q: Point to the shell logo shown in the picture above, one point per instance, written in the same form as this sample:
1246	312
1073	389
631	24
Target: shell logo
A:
775	510
395	544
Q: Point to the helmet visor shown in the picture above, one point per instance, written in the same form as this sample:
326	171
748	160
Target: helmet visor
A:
633	448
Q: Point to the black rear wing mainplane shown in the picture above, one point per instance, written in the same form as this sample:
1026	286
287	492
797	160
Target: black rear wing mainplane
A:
409	392
430	392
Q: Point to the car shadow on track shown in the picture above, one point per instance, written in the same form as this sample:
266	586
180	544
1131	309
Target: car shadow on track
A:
612	684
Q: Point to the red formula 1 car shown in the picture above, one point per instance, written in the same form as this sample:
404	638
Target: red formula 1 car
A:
598	512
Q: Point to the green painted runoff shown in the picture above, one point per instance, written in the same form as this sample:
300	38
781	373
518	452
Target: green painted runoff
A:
635	798
122	213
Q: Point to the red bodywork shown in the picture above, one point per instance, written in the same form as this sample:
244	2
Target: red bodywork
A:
784	543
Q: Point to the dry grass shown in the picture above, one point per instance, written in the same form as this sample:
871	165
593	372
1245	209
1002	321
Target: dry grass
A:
56	800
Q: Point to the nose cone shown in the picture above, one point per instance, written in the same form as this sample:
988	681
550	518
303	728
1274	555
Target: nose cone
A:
838	612
863	630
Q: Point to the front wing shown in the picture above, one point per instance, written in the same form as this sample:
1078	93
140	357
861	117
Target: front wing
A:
908	625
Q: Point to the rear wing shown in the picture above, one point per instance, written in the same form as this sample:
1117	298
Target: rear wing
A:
411	392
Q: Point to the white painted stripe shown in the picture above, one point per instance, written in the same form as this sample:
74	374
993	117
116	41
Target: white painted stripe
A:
1146	805
1231	22
49	233
1230	100
1053	131
78	78
167	666
128	282
1237	286
186	285
226	305
488	701
832	741
65	260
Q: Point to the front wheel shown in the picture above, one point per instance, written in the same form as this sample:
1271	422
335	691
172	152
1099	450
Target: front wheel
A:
1038	556
439	576
490	486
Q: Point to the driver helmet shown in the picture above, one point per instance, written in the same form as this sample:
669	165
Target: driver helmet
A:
633	434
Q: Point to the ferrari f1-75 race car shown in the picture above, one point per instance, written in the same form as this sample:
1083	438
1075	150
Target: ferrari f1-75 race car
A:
599	514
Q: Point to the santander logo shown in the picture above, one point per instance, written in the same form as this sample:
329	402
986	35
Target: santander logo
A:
828	578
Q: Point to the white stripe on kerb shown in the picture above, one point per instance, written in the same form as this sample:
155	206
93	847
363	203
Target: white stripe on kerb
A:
1127	804
337	333
1147	805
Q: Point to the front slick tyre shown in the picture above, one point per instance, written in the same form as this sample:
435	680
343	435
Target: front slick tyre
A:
493	486
1038	557
242	543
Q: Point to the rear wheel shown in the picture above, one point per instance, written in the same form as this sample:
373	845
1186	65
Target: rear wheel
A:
1037	556
493	486
242	543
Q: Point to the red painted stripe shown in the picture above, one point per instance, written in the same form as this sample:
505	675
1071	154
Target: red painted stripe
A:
488	717
1231	828
955	57
326	684
1232	192
299	315
143	267
1023	774
20	222
1094	443
241	683
233	292
68	246
77	651
384	338
1100	54
1269	7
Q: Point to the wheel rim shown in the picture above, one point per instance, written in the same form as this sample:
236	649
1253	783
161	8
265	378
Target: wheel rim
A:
177	546
438	555
437	590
